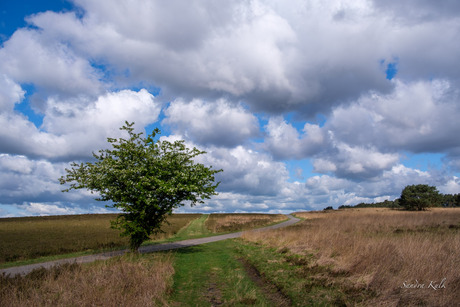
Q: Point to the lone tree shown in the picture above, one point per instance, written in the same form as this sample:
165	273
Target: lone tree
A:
146	179
419	197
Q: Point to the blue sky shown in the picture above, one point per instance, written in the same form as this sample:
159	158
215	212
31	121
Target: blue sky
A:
303	105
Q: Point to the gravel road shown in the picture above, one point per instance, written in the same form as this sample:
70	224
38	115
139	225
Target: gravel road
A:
24	270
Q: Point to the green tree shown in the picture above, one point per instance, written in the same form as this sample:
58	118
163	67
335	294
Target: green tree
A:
419	197
146	179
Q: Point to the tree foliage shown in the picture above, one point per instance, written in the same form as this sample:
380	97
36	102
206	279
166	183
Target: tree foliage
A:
146	179
419	197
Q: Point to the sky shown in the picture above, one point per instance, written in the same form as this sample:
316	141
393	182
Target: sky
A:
303	104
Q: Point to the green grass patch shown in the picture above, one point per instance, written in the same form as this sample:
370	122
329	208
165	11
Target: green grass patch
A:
195	229
210	275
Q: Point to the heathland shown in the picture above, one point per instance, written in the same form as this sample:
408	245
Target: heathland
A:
335	257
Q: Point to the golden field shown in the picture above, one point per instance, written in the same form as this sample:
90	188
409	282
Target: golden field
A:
395	257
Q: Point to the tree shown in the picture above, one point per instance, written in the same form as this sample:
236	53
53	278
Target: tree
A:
419	197
146	179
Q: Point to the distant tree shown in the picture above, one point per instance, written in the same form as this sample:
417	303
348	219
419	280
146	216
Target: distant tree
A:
395	204
328	208
448	200
146	179
419	197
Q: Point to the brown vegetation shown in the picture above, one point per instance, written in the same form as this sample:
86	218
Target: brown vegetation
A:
393	256
131	280
225	222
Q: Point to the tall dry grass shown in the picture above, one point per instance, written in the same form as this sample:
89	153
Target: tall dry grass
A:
223	222
122	281
395	255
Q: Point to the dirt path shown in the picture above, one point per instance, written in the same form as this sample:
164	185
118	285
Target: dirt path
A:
271	292
24	270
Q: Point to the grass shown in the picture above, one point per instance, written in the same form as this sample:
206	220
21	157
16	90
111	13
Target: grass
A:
286	272
132	280
356	257
225	222
372	256
205	275
211	275
195	229
38	237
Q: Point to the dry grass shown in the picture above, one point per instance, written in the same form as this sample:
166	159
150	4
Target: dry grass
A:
33	237
126	281
379	250
224	222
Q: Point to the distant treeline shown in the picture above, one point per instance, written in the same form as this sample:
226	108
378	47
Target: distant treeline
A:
442	200
446	200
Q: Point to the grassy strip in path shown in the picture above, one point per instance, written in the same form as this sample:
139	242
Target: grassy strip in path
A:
196	229
210	275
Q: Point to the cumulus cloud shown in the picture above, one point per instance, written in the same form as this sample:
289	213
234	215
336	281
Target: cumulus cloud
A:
74	129
247	171
28	57
248	50
355	162
217	123
29	180
417	117
307	57
221	69
365	138
10	93
285	142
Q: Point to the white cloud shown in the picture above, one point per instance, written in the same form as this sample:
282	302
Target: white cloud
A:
56	208
450	187
18	164
10	93
284	141
46	209
217	123
29	57
247	171
418	116
366	137
72	128
278	60
29	180
355	162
